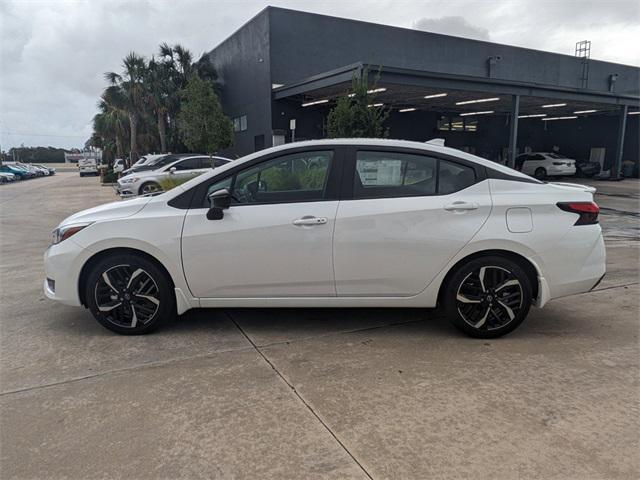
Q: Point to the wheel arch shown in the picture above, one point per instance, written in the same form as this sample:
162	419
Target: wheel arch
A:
526	264
95	258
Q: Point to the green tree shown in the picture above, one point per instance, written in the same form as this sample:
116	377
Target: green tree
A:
355	116
110	125
131	85
202	124
160	90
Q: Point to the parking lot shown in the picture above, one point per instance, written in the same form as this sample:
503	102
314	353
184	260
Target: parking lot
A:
366	393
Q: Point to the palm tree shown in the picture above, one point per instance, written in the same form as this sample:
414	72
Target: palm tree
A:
178	67
114	117
159	90
132	88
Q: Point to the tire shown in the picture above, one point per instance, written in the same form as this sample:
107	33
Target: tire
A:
487	308
81	174
540	173
140	308
149	187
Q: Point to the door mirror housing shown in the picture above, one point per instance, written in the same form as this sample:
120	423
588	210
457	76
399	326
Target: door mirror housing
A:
219	200
173	170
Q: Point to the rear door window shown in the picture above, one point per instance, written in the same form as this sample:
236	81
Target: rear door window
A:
393	174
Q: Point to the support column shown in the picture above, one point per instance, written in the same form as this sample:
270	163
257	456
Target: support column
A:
617	162
513	130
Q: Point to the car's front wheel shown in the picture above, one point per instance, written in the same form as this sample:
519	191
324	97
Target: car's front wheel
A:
129	294
149	187
488	297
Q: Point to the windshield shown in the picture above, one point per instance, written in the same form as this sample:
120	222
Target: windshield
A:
555	155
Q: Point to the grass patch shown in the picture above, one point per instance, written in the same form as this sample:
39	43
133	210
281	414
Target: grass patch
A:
169	182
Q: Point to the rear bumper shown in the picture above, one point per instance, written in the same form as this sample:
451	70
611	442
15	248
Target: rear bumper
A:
561	170
577	264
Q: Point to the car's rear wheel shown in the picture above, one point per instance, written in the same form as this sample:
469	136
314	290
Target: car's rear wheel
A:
488	297
149	187
540	173
129	294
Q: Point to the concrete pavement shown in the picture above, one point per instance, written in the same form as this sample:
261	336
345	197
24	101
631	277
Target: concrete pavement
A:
367	393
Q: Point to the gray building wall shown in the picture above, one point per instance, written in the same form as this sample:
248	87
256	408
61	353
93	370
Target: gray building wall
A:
305	44
242	64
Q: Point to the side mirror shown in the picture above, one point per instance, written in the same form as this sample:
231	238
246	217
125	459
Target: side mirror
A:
172	170
219	200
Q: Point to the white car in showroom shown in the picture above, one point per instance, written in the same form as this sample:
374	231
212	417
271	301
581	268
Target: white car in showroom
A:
334	223
149	181
545	164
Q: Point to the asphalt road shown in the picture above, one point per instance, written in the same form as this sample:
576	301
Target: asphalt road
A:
313	393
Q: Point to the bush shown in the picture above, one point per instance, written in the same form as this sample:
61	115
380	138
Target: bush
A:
110	177
171	181
354	117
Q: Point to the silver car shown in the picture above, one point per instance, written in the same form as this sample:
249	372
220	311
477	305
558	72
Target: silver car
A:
183	169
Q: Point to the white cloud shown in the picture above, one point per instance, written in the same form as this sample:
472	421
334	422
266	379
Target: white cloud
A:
53	53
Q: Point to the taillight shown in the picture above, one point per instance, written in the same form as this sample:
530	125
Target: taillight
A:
587	211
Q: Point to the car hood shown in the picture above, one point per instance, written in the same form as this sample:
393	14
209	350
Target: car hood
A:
108	211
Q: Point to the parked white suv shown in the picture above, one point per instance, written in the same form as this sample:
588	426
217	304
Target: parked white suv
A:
87	166
150	181
118	165
545	164
334	223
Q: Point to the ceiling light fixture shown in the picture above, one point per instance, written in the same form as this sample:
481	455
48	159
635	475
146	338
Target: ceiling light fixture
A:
317	102
535	115
375	105
586	111
480	100
377	90
634	113
436	95
403	110
558	118
476	113
552	105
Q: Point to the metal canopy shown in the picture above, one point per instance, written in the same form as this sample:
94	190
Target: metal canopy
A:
407	89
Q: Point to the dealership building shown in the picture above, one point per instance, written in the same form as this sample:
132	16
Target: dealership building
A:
286	68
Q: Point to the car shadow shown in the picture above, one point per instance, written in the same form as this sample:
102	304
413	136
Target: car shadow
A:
274	325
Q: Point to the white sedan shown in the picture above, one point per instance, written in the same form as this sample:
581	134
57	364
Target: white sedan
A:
335	223
150	181
545	164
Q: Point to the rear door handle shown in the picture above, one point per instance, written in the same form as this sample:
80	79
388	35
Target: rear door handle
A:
460	206
309	220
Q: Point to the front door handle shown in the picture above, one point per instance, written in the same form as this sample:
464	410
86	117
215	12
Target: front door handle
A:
461	206
309	220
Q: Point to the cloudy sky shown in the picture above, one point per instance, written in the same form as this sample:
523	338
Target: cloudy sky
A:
53	53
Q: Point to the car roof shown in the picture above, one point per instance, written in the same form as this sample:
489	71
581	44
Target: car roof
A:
378	142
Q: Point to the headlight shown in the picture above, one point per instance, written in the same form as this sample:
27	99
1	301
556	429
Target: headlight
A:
129	180
62	233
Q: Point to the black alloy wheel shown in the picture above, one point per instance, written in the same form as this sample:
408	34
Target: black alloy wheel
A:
488	297
129	294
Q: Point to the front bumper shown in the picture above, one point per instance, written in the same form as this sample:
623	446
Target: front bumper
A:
62	265
127	190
